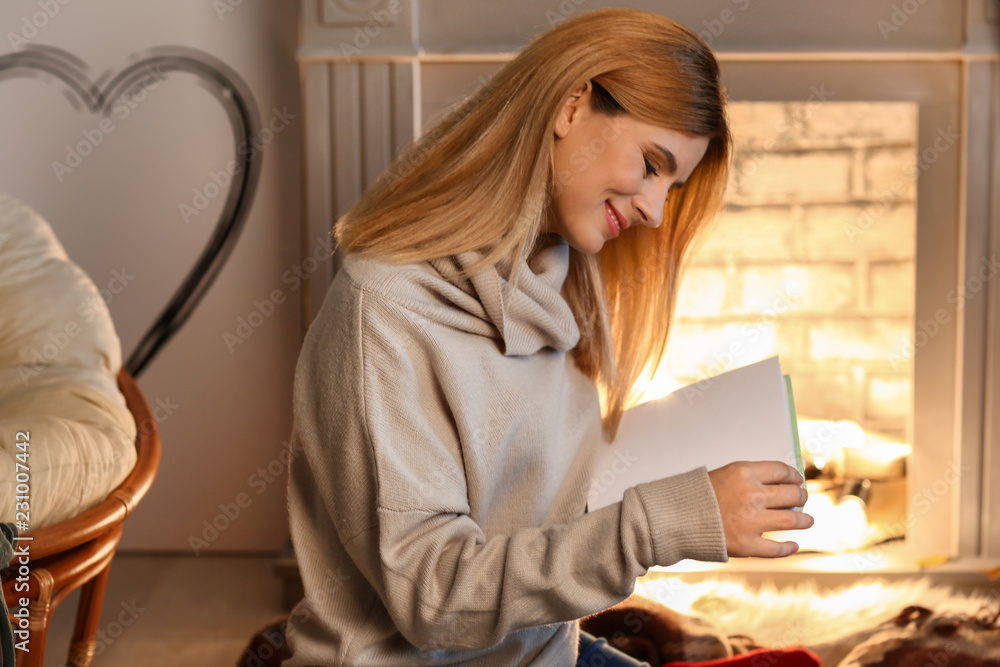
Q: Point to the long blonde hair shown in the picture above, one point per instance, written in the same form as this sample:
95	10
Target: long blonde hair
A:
481	180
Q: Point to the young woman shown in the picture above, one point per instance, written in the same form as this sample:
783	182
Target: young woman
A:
505	284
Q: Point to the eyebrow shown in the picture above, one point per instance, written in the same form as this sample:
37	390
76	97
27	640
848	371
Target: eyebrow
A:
671	164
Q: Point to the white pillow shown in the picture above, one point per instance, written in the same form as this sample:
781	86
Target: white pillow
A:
59	359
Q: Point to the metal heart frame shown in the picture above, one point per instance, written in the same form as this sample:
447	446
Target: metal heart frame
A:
234	95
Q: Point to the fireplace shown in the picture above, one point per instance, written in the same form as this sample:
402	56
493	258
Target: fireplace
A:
813	259
872	298
859	242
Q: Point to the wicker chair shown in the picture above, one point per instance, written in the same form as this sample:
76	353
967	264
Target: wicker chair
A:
78	552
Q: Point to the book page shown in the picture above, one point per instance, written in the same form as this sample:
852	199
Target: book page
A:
740	415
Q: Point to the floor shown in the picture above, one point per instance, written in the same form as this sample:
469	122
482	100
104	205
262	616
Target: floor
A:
201	612
159	610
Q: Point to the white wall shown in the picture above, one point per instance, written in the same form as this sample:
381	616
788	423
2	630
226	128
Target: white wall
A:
223	413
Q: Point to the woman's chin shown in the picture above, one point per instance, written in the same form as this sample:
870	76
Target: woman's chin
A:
589	244
592	246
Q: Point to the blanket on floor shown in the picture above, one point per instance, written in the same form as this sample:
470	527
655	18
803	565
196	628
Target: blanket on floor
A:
916	636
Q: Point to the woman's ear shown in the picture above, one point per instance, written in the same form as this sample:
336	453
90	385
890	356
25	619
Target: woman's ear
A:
572	109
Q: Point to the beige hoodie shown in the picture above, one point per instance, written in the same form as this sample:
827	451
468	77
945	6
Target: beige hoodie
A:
438	511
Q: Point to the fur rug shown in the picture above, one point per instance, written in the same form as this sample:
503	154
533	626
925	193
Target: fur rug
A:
849	626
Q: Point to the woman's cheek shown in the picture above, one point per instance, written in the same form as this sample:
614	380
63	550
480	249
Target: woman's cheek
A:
630	181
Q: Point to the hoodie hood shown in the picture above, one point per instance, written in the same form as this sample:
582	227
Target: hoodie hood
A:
525	316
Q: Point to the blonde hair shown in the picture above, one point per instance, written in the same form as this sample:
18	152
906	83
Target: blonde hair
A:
481	180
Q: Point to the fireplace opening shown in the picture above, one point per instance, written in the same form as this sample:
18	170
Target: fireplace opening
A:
813	259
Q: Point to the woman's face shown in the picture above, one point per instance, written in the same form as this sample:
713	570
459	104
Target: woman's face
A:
613	172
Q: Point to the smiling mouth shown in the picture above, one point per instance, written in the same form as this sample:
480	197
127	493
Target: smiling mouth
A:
615	217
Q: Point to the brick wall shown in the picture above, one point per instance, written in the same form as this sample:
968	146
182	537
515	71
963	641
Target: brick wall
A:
813	259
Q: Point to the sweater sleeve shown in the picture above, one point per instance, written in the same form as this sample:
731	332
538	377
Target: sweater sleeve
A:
377	427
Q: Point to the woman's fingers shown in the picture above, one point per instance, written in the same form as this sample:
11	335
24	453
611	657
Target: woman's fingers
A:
783	520
777	520
772	472
770	549
754	498
781	484
787	520
785	495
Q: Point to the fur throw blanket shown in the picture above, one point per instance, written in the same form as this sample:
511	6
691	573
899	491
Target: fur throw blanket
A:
899	624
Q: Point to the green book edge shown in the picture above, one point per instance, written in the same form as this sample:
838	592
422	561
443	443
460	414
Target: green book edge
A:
795	428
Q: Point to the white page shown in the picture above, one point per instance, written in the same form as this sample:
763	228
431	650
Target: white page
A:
740	415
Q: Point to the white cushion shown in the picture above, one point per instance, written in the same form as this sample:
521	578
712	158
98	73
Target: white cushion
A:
59	360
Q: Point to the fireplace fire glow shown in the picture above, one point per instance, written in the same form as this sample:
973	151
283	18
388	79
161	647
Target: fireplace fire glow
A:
846	465
813	260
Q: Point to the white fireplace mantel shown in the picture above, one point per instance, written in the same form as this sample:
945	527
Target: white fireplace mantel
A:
375	72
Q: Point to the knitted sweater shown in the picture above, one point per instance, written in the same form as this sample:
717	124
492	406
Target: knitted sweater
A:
442	454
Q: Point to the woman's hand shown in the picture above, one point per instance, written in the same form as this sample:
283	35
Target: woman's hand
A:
757	497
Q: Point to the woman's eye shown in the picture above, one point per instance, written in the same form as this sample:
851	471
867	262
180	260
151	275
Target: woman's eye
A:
650	168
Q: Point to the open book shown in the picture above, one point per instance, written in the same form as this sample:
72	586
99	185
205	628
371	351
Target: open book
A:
746	414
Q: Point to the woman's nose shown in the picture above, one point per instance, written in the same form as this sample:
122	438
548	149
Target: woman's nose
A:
651	202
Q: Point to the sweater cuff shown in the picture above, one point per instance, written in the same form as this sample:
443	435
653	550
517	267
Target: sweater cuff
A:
684	518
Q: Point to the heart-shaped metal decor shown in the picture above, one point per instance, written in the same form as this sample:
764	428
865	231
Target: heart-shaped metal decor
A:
145	70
